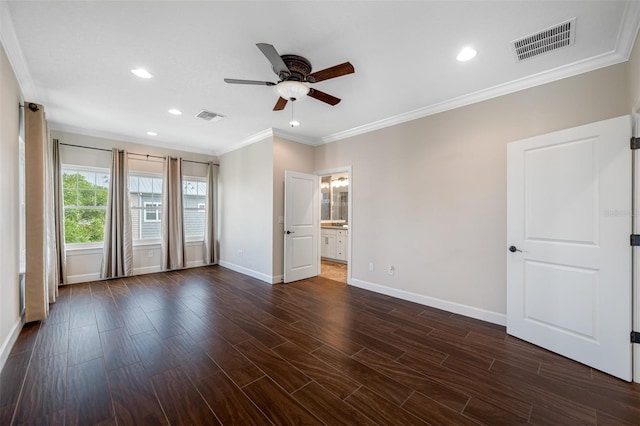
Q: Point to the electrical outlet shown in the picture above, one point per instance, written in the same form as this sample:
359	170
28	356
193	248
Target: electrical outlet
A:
391	269
371	266
240	253
150	253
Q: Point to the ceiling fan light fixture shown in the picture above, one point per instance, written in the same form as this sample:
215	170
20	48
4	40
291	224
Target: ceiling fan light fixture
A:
294	123
291	90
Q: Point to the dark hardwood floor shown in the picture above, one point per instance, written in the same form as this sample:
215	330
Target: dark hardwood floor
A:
209	346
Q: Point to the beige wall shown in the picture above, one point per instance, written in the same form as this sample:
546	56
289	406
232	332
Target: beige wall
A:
429	196
293	156
634	77
10	98
251	202
245	183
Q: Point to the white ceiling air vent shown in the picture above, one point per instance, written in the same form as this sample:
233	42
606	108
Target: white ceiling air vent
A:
544	41
209	116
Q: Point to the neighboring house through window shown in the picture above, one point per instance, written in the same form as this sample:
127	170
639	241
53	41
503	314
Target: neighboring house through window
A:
145	196
152	212
194	198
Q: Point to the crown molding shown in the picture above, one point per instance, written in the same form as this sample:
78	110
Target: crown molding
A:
624	45
122	138
271	133
629	29
256	137
622	51
12	48
604	60
296	138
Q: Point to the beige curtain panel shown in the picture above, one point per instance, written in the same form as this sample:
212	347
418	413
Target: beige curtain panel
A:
58	212
210	249
36	277
117	257
55	259
172	223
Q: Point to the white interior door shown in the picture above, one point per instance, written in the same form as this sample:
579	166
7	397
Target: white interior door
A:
569	212
301	226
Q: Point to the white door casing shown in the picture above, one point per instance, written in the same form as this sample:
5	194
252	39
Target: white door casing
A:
569	211
301	226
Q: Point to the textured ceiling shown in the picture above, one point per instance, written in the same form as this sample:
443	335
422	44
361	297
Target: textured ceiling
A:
75	58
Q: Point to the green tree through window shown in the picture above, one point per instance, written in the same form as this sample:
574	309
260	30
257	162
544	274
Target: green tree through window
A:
85	201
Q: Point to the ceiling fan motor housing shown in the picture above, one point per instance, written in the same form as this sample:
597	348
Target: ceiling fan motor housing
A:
294	72
298	66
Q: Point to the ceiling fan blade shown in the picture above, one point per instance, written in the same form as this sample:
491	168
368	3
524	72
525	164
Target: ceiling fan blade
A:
258	83
333	72
324	97
282	102
279	67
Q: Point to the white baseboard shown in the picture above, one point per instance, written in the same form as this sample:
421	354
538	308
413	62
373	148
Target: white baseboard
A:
75	279
277	279
147	270
457	308
8	343
246	271
84	278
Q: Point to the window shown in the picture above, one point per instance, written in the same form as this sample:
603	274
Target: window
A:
194	198
85	203
145	195
152	214
145	192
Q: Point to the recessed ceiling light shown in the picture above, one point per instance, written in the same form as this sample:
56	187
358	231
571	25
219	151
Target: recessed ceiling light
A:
466	54
175	111
294	123
142	73
152	133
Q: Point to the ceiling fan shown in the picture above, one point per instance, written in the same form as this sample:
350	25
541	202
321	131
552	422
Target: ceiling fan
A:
294	71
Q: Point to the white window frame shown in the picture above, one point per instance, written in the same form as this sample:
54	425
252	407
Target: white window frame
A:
79	168
201	206
157	210
148	242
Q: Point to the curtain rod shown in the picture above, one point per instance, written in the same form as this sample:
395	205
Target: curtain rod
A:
132	153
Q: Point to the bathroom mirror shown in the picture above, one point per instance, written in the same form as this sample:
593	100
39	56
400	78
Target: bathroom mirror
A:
335	198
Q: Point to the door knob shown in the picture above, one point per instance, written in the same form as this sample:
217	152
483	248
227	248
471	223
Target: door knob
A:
514	249
290	232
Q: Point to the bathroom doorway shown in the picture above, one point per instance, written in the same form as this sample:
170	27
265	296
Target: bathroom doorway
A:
335	223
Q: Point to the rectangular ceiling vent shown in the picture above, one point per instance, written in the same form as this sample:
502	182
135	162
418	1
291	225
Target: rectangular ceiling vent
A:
544	41
209	116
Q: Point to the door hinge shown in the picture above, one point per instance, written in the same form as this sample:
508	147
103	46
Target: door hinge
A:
635	143
635	240
635	337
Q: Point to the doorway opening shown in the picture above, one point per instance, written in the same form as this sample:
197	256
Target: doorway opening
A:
335	223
